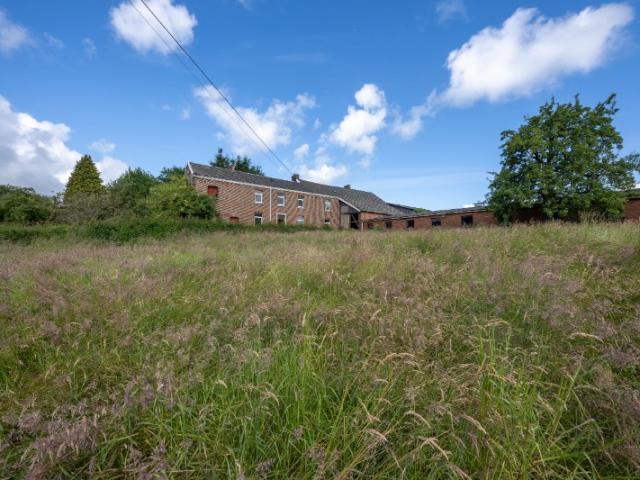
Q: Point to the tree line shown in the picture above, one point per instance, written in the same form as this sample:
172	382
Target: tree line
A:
561	163
135	194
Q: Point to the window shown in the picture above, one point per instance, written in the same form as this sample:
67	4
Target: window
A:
300	220
327	205
300	201
436	222
212	191
327	221
466	220
281	218
388	224
258	196
370	226
257	218
280	200
234	220
411	223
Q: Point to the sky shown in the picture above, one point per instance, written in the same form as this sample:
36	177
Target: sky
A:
403	98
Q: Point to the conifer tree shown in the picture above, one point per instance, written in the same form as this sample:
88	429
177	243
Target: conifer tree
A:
85	178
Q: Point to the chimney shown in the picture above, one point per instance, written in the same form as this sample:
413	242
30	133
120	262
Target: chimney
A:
232	167
348	185
295	177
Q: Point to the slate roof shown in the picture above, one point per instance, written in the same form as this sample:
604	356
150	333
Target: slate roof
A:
363	201
437	213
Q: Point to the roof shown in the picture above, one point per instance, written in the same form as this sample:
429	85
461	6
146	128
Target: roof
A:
437	213
361	200
404	208
633	193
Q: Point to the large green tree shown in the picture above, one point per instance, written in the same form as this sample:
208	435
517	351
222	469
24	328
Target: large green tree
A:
130	190
85	178
242	164
564	161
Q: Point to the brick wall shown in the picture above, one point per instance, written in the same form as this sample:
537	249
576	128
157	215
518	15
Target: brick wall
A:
238	200
632	210
450	220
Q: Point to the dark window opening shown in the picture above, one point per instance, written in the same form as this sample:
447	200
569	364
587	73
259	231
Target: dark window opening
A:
411	223
436	222
212	191
257	218
388	224
234	220
466	220
281	219
370	225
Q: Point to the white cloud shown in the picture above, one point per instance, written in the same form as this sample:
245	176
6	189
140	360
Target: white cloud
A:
468	205
407	128
132	28
53	42
103	146
450	9
89	46
12	35
529	52
302	151
274	125
356	131
110	168
323	171
185	113
34	153
317	124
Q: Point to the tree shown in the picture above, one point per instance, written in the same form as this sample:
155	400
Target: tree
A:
177	199
563	161
85	178
24	205
242	164
169	173
129	191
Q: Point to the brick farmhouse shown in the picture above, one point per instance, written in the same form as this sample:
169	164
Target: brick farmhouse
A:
255	199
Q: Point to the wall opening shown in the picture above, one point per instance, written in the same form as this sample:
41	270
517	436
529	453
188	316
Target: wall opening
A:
436	222
411	223
466	220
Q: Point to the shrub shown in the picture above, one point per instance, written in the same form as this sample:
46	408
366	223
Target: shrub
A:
24	205
86	207
177	199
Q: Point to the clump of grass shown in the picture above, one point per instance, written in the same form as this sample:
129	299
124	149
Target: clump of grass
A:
489	353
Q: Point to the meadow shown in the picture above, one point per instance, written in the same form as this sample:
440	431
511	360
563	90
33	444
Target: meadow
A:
503	353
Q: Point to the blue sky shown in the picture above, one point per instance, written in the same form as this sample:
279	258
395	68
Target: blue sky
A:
406	99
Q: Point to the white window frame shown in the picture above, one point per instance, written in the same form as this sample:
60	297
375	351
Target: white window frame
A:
327	221
279	196
255	197
256	217
300	201
300	220
281	215
327	205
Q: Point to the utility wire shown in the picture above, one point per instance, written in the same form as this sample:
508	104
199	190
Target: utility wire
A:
225	108
204	74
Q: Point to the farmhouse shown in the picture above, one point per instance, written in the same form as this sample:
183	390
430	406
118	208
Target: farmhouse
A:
255	199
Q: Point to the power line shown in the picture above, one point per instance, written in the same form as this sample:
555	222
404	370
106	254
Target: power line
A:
204	74
225	108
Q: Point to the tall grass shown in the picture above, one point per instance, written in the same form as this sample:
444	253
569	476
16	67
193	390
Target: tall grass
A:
499	353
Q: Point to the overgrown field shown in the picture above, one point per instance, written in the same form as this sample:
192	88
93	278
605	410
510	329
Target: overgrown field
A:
497	353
